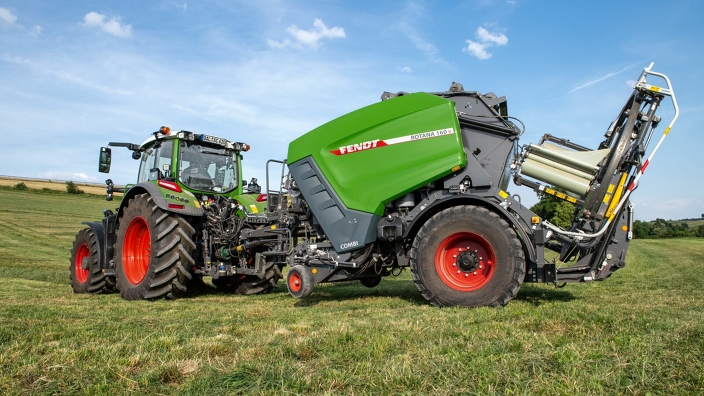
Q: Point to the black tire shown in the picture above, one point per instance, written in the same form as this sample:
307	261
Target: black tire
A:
85	272
299	281
371	282
253	284
447	273
228	284
153	252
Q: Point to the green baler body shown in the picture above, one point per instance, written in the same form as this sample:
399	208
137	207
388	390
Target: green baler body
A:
376	154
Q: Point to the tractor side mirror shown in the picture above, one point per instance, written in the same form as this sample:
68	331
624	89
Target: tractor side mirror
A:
253	186
104	160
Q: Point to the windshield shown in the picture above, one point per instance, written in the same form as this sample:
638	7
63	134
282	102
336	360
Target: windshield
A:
207	168
156	159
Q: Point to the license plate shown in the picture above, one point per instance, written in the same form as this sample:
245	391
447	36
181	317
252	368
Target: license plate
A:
215	140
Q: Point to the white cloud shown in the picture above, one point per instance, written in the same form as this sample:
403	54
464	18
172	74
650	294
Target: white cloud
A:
405	69
7	16
277	44
68	176
36	31
431	51
600	79
427	48
486	39
414	14
63	75
112	26
477	50
309	38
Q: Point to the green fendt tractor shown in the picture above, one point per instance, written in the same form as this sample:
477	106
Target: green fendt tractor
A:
151	247
416	181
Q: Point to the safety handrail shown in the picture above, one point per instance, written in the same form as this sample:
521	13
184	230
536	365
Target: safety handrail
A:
640	84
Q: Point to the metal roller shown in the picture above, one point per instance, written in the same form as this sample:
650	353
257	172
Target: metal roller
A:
556	177
585	161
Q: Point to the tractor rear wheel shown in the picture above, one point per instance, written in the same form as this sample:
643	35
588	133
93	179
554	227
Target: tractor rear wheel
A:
153	252
468	256
86	274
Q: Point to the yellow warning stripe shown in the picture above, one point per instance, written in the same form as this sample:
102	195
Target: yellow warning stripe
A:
617	196
560	195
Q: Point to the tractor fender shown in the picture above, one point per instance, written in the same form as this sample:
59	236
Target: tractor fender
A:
156	194
446	201
99	232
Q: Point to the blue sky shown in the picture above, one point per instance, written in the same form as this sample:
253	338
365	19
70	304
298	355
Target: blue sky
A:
75	75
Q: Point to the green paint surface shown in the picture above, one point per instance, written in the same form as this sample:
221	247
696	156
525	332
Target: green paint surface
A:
355	156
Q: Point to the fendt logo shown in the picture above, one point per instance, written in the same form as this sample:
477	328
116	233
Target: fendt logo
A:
353	148
372	144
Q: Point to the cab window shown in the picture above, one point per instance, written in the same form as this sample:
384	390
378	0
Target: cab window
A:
154	159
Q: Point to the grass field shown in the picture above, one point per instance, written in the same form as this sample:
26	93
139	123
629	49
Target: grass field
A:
640	332
56	186
690	223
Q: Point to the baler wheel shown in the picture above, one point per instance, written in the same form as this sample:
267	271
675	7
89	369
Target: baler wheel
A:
153	253
299	281
86	274
370	282
468	256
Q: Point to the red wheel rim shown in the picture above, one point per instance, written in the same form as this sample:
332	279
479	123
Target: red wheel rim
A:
294	282
81	253
465	261
136	250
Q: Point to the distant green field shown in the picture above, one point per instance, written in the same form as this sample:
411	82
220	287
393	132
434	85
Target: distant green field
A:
640	332
690	223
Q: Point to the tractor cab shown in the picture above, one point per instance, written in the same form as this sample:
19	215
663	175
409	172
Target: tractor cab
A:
188	163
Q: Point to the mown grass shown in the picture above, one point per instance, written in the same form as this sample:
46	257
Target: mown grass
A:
640	332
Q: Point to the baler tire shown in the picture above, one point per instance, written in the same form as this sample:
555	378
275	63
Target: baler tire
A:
86	280
371	281
145	228
489	272
253	284
299	281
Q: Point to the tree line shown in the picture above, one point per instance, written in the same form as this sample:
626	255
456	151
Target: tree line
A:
661	228
561	213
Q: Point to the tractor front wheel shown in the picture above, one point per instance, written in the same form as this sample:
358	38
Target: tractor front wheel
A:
154	251
228	284
253	284
86	274
468	256
371	281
